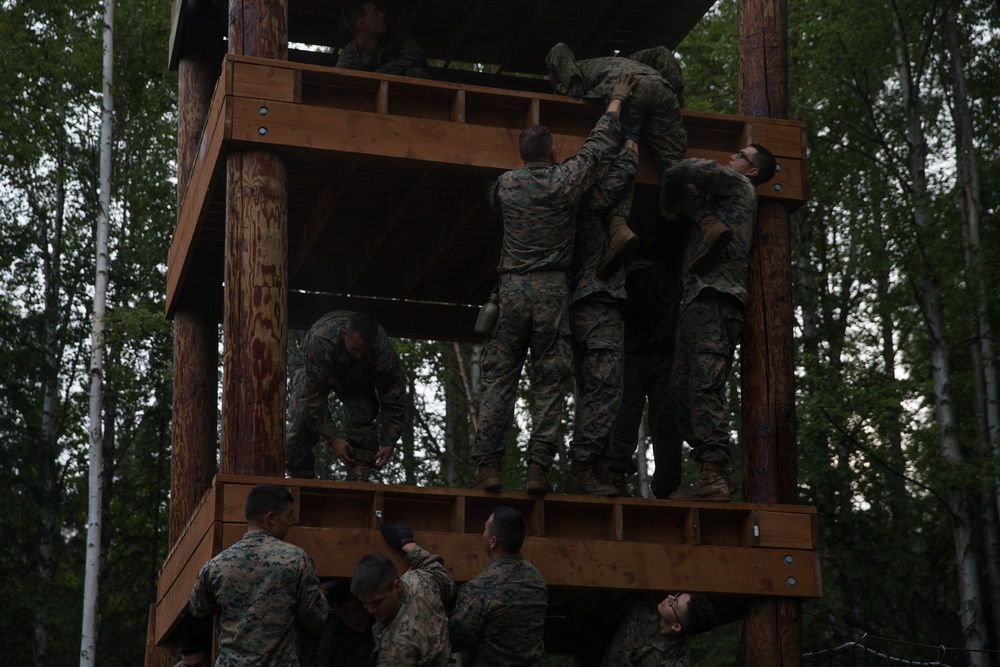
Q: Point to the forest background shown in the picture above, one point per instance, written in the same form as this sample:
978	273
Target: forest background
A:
895	263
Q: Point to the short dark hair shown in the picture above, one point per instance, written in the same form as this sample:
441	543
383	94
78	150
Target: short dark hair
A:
340	592
699	616
194	646
375	573
508	527
765	163
364	325
265	498
351	12
534	143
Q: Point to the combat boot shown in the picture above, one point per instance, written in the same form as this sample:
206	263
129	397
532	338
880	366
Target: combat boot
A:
623	242
359	472
538	479
585	476
715	238
488	478
300	474
712	485
619	480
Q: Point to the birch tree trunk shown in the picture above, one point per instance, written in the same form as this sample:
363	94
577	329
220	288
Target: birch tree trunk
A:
929	298
91	584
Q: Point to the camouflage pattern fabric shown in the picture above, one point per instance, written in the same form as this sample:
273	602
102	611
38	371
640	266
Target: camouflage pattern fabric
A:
397	53
650	315
533	316
638	642
662	130
598	330
417	635
260	587
665	62
539	203
499	616
375	385
711	313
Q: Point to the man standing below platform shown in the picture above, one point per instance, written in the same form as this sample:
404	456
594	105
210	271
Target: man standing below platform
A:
539	204
350	355
499	616
711	313
375	48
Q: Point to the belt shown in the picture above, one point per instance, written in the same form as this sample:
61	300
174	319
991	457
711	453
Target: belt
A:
533	276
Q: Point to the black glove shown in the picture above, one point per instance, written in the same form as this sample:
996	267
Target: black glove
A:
631	123
397	535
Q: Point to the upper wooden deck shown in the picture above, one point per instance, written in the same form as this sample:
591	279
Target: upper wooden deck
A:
576	542
385	181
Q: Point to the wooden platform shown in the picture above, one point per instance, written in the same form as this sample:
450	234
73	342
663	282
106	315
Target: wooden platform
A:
576	542
385	185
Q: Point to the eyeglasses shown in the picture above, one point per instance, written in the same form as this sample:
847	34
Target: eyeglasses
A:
741	154
673	601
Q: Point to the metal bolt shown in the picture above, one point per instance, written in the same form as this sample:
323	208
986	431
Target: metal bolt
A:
756	531
789	560
378	514
777	187
262	131
777	167
791	581
262	111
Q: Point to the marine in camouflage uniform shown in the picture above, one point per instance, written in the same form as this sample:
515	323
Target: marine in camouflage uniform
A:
260	586
596	322
711	313
652	283
639	641
417	634
539	203
397	53
372	386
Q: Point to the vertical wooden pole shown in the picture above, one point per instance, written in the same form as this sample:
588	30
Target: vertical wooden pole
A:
193	434
256	274
773	626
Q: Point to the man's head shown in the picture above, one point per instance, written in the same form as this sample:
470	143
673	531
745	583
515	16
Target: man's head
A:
269	507
194	653
685	614
536	145
504	532
755	162
359	335
347	606
377	585
364	18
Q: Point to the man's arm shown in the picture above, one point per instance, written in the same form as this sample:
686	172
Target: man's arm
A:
408	54
202	601
433	565
312	608
466	623
390	383
314	397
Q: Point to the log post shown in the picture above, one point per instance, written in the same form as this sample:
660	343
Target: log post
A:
256	274
193	434
773	626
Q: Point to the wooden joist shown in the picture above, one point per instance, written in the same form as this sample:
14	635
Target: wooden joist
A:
576	542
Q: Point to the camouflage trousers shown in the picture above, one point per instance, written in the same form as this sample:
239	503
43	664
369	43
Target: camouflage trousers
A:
647	378
663	133
708	331
598	332
361	408
533	316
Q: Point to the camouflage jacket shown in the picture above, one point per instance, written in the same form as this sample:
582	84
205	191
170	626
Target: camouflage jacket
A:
259	587
328	368
638	642
601	74
417	634
707	188
499	616
540	201
397	52
592	237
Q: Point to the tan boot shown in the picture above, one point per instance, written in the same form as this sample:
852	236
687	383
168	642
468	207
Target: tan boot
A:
585	476
715	238
487	478
623	242
359	472
538	479
712	485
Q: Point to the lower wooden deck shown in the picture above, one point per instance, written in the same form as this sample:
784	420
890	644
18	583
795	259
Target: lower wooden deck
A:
576	542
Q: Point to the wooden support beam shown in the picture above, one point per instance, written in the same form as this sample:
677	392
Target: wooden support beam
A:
587	22
527	25
330	196
460	30
596	44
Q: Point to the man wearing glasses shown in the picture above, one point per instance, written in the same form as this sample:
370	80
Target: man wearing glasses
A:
710	322
654	634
